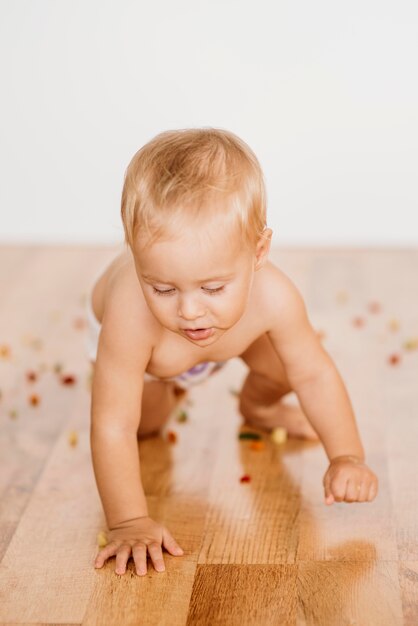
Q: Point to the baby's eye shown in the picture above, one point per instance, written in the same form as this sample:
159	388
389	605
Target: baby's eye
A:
213	290
162	293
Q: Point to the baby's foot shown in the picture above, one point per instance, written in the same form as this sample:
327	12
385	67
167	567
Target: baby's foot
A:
290	417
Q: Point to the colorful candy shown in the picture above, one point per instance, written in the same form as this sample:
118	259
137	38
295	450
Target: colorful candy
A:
101	539
257	445
68	379
393	325
31	376
411	344
358	322
171	436
394	359
73	438
34	400
374	307
5	352
245	478
279	435
248	435
182	416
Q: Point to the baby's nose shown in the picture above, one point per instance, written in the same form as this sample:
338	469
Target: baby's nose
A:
191	308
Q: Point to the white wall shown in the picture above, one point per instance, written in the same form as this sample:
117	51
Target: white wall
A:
324	91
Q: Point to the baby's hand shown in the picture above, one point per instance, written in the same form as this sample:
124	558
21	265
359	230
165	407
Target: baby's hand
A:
138	535
349	479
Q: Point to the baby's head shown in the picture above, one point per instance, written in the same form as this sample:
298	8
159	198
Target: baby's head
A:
194	216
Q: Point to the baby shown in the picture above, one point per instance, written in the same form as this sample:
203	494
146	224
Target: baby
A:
193	289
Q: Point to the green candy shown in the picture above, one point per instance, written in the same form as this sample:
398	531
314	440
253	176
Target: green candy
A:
249	436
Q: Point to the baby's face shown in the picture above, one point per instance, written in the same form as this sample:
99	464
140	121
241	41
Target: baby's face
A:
199	280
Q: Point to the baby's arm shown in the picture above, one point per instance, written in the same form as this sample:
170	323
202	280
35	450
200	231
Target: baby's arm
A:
124	350
323	397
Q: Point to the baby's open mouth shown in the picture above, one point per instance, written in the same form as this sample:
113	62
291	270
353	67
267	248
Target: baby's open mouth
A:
199	333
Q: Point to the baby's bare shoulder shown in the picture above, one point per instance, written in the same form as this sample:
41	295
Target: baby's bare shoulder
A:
277	291
126	315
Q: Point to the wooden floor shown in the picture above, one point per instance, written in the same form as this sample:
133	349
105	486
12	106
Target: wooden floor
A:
259	553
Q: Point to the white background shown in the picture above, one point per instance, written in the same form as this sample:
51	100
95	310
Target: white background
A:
324	91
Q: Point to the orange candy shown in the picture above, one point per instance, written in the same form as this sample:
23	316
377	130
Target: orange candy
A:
374	307
171	436
257	445
34	399
4	351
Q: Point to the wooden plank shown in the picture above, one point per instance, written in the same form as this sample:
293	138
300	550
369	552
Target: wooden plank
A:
239	595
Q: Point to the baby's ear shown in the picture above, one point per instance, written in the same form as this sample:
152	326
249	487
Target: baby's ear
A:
262	248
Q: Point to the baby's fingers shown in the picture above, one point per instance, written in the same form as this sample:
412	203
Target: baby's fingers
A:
156	555
170	544
122	557
105	553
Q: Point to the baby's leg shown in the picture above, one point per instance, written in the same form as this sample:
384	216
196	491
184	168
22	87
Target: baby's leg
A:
159	399
263	390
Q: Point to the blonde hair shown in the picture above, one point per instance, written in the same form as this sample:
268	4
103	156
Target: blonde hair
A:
193	173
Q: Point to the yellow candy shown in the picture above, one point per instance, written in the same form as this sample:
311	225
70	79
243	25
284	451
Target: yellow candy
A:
411	344
394	325
101	539
73	438
279	435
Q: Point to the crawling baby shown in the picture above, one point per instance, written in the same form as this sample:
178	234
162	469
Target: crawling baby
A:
195	288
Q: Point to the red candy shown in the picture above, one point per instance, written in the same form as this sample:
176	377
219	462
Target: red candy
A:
245	479
394	359
172	436
68	380
31	376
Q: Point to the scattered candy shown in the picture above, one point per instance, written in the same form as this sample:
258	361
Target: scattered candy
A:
245	479
374	307
279	435
171	436
248	435
58	368
73	438
394	359
182	416
393	325
5	352
257	445
34	399
101	539
68	379
342	297
234	392
13	413
358	322
411	344
31	376
79	323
